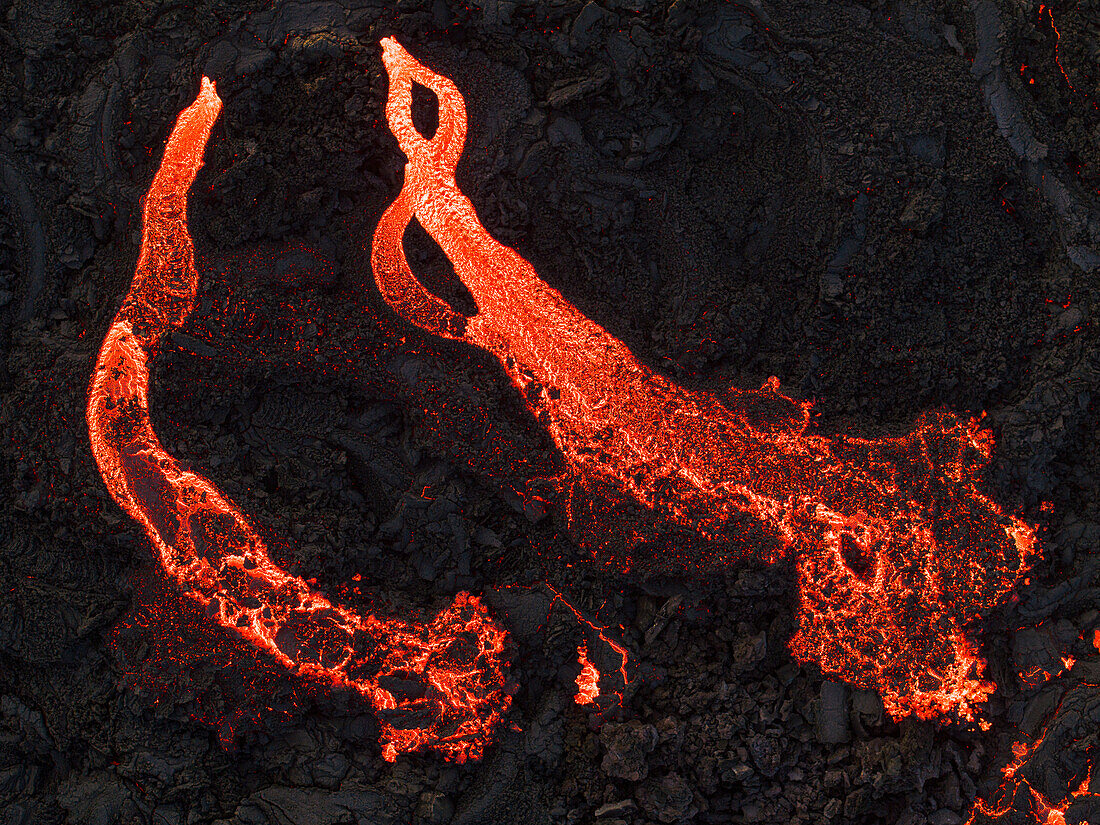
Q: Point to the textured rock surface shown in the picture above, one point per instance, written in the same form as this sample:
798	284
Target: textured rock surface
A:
871	200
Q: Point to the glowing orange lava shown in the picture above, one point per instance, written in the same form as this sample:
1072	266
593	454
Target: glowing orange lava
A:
897	549
586	666
435	685
588	680
1018	799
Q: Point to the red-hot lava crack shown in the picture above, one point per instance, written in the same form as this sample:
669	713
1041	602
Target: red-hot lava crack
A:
1050	773
437	685
897	549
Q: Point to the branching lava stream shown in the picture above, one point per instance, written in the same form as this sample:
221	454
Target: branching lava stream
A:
436	685
898	551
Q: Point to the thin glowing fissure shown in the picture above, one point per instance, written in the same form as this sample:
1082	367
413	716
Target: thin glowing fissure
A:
897	550
588	681
435	685
1018	793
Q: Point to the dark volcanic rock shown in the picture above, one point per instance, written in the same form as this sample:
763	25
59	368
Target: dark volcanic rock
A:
627	746
891	206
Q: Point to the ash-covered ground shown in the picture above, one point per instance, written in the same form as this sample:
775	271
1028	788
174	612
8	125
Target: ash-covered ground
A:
891	206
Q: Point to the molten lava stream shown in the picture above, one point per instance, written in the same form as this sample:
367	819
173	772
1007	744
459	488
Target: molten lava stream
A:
897	549
437	685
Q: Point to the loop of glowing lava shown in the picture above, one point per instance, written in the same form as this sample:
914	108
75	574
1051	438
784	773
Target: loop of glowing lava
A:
436	685
897	550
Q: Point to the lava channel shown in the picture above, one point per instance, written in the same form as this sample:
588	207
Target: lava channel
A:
437	685
897	550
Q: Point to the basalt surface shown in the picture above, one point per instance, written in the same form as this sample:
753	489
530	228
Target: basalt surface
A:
890	206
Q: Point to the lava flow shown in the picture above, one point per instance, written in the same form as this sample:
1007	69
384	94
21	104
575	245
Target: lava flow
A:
1049	780
588	680
897	549
437	685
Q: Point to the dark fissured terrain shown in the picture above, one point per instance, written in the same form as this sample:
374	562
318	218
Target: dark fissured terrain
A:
891	206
